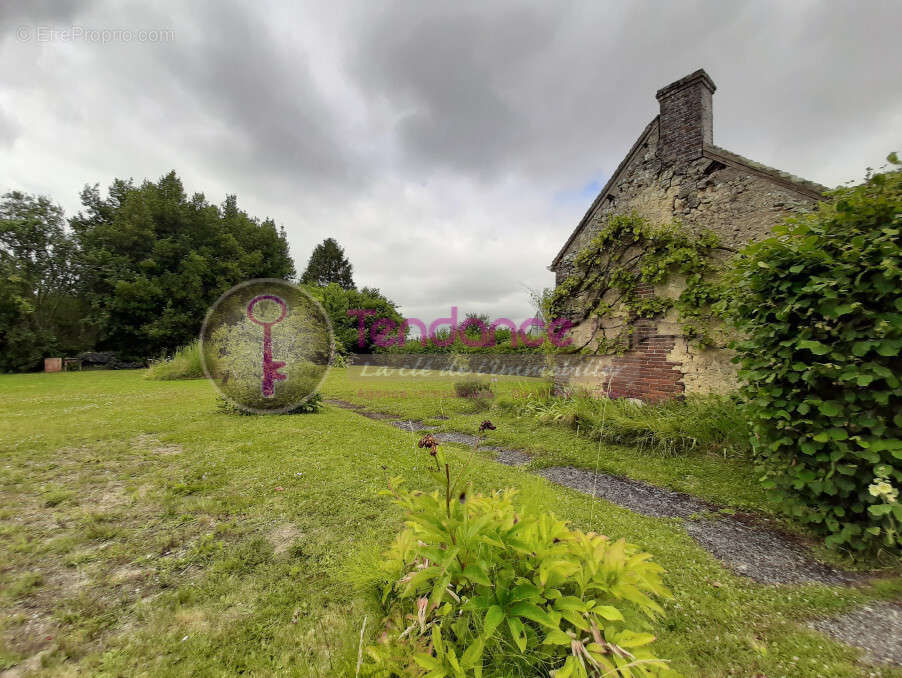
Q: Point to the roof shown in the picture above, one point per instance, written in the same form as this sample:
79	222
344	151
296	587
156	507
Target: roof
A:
810	188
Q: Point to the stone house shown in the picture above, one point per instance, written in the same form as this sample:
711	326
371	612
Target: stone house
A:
674	172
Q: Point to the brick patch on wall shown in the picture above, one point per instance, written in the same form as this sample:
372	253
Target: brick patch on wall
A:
644	371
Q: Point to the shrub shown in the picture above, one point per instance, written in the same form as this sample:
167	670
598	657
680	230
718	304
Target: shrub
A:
185	363
711	423
474	587
473	388
821	309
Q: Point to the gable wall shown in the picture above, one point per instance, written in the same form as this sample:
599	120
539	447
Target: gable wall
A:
739	205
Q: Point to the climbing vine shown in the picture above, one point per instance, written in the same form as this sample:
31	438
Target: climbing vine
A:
628	251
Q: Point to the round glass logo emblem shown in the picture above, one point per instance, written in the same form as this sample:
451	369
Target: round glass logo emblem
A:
266	344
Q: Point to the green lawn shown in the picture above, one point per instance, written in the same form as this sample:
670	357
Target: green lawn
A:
142	533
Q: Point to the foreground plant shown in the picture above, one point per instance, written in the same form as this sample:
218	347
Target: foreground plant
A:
474	587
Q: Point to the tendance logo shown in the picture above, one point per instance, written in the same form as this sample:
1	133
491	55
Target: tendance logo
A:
532	332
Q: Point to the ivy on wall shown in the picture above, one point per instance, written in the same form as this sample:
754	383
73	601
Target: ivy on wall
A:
629	250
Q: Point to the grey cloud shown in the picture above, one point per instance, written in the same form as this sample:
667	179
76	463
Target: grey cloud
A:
54	11
448	70
234	67
435	141
10	129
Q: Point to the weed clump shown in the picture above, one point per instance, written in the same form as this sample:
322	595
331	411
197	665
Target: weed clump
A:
711	423
185	363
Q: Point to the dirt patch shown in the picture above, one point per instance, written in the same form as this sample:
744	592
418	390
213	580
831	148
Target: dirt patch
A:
27	667
192	619
105	499
509	457
361	410
150	443
632	494
377	416
762	554
876	628
283	537
128	575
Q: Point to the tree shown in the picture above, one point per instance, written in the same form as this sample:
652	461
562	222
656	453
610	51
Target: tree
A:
338	301
152	261
39	312
328	264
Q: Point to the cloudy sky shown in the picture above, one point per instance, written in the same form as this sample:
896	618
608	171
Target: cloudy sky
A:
451	147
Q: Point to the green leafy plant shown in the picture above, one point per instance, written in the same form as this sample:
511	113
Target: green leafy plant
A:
605	283
820	306
474	587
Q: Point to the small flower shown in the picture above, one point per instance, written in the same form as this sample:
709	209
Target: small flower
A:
429	442
486	426
883	489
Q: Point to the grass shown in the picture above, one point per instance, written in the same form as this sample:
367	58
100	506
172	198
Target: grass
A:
705	472
141	532
711	423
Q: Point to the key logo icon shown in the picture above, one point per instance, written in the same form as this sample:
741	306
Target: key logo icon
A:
297	347
270	367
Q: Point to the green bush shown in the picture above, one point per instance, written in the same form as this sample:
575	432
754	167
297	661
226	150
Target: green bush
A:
711	423
473	388
185	363
474	587
821	309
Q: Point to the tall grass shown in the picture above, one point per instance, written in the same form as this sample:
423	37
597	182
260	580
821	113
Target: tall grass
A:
709	424
185	363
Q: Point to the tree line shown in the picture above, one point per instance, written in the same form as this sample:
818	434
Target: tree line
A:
135	271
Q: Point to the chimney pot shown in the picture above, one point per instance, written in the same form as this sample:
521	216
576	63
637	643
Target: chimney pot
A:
686	118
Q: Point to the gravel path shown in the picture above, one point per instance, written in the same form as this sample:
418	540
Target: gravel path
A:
455	437
410	425
876	628
508	457
639	497
762	554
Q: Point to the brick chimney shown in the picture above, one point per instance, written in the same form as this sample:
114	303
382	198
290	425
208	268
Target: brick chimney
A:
686	122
